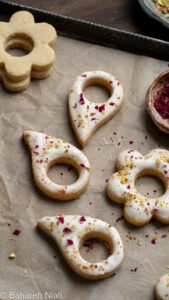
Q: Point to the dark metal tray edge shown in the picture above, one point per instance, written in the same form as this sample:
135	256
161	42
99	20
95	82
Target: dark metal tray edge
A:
91	32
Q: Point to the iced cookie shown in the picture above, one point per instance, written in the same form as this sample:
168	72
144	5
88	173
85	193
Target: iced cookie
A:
138	209
87	116
47	151
162	288
36	39
69	233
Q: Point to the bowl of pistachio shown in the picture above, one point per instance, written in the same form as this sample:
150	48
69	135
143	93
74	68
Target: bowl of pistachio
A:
157	9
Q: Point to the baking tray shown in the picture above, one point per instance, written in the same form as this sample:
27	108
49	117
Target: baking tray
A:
28	196
92	32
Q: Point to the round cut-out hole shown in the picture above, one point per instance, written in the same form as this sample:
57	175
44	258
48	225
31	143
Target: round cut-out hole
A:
17	52
150	186
94	250
63	174
97	93
19	44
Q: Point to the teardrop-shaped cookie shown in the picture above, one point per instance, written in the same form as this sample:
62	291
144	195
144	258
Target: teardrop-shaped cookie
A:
69	232
87	116
47	151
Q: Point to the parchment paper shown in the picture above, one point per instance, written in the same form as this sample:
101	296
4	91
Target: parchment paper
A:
39	271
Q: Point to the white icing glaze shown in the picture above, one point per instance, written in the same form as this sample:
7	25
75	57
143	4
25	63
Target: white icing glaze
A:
162	288
87	116
121	185
79	227
46	151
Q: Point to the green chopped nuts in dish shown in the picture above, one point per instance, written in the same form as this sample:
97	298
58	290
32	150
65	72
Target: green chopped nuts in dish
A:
162	6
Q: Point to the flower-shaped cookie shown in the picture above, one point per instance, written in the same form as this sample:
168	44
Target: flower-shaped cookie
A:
36	38
138	209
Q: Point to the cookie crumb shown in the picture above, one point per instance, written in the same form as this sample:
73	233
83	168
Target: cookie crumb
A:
12	256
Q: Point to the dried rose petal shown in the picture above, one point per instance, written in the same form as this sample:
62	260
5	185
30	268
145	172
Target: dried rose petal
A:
130	151
82	219
16	232
61	220
161	102
69	242
155	211
67	230
37	153
164	236
102	108
88	244
82	165
134	270
81	100
119	219
75	106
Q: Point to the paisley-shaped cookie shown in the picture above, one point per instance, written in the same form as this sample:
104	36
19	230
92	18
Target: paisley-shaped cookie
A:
69	232
87	116
47	151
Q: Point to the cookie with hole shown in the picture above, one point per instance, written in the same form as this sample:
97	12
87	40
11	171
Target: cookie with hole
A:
36	39
86	116
70	231
47	151
138	209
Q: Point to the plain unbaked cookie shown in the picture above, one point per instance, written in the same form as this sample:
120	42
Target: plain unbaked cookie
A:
36	38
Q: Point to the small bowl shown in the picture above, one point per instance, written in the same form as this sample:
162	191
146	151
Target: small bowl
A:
159	83
149	8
